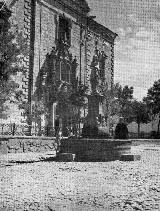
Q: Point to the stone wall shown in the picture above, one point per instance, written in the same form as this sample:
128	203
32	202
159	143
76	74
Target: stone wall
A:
44	37
27	144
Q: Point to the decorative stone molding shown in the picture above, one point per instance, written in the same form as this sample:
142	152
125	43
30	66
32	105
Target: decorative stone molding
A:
79	7
25	82
112	65
102	31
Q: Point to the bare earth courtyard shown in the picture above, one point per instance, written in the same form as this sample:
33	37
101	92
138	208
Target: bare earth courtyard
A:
82	186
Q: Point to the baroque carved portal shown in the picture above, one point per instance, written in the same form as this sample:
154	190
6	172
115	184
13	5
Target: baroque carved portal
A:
58	72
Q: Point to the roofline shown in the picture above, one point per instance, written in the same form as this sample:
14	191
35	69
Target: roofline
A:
71	5
102	30
91	24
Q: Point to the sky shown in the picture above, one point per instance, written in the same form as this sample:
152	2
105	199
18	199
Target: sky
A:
137	48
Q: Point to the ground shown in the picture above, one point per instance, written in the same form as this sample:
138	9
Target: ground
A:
82	186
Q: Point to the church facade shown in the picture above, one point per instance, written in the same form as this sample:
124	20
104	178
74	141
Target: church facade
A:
64	40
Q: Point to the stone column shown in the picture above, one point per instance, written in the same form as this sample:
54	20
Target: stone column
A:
31	62
54	113
90	128
93	109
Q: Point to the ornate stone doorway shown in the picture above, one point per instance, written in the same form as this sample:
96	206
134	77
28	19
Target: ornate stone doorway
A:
55	81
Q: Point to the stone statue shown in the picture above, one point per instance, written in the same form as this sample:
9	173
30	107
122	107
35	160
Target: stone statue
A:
92	127
94	77
102	59
97	76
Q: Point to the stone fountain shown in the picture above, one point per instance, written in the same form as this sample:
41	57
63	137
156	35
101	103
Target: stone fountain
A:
95	143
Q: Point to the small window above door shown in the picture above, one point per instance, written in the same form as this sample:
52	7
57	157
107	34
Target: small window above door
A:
64	30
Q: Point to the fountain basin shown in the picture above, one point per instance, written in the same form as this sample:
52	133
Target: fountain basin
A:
95	149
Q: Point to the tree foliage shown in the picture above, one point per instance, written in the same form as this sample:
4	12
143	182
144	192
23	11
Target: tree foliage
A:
123	104
139	113
13	49
70	99
49	89
153	100
121	100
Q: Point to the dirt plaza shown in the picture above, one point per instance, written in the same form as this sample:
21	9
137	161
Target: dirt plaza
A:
60	186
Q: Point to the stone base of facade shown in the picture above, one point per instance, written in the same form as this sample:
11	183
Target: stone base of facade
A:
86	149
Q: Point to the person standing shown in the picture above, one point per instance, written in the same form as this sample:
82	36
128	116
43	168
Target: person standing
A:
121	131
57	126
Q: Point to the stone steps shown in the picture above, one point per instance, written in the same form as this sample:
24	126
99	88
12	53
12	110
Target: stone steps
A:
130	157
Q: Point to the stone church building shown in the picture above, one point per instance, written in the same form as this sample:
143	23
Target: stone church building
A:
64	40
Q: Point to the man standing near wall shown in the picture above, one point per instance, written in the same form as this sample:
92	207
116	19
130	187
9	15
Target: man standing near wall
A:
121	131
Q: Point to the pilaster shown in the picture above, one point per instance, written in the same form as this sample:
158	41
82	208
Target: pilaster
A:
27	78
112	65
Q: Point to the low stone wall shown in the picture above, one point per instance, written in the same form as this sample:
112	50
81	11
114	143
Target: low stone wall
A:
136	142
15	144
82	147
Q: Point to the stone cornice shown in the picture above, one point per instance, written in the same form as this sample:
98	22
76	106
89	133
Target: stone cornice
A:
102	31
73	6
79	6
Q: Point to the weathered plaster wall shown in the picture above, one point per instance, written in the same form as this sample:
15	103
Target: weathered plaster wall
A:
45	29
75	44
108	65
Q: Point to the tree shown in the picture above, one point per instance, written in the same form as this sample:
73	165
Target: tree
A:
13	49
139	113
70	100
153	101
121	100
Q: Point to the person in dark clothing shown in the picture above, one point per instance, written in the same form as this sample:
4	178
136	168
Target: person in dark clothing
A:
57	126
121	131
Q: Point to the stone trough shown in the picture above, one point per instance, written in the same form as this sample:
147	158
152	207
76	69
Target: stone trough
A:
92	149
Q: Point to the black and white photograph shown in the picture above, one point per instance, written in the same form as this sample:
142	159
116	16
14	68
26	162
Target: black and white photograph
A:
79	105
